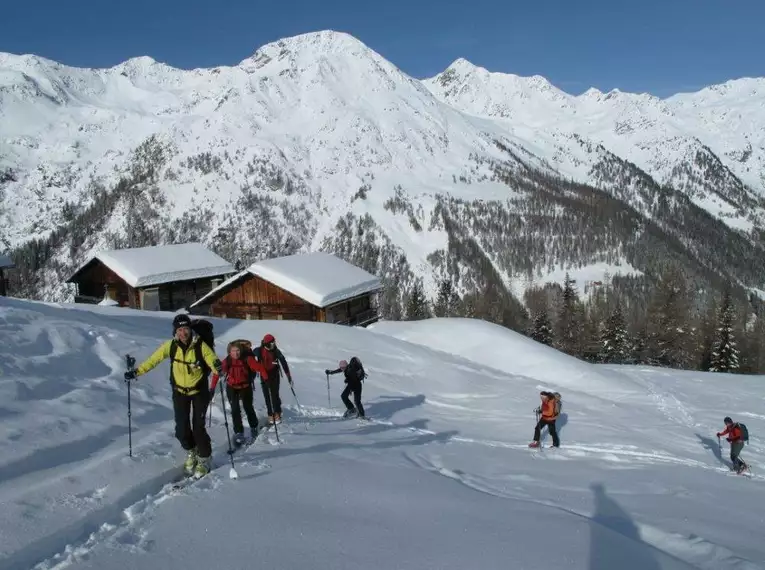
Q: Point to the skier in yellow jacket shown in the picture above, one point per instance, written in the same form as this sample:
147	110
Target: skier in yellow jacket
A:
191	394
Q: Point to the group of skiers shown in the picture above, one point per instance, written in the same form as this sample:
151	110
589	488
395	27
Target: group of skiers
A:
193	360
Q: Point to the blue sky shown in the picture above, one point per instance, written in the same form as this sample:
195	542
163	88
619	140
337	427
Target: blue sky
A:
658	46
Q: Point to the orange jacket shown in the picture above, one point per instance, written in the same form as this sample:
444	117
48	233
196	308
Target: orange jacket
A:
733	432
548	410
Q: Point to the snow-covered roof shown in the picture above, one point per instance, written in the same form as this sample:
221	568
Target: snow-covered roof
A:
319	278
5	261
155	265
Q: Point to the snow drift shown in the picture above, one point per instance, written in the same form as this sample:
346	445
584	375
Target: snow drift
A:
440	478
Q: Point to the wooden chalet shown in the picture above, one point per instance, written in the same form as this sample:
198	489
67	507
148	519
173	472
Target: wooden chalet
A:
5	263
306	287
155	278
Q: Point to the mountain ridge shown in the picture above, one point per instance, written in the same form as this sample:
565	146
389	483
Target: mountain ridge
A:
316	136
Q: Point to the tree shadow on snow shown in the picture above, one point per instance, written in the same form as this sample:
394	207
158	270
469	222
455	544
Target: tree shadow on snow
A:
609	552
713	446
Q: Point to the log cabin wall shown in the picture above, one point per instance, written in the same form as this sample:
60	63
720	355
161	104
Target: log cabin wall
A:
180	294
92	279
255	298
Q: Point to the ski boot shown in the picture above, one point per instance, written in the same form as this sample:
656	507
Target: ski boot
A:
350	412
202	468
238	439
254	433
278	418
270	419
191	461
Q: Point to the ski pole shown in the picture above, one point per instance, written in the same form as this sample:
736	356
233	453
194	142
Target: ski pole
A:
329	402
130	362
271	406
296	398
232	474
212	399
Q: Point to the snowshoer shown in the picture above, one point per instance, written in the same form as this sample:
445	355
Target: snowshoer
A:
736	439
354	376
240	368
269	355
191	396
549	410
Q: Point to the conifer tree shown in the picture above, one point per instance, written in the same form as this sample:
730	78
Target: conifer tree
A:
542	331
615	347
669	341
725	353
417	305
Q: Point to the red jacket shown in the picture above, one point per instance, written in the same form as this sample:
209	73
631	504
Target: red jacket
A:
734	431
236	373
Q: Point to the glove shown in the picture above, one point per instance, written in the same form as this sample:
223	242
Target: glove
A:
327	371
719	434
218	365
130	375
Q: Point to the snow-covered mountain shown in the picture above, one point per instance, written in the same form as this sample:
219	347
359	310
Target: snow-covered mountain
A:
316	141
440	478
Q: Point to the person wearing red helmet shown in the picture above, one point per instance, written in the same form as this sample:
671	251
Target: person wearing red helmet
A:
269	355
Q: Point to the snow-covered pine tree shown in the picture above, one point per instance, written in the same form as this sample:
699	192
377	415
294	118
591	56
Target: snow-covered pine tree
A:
725	354
417	305
669	341
614	341
542	331
570	321
447	302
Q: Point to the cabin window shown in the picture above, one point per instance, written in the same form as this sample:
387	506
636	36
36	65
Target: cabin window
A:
150	299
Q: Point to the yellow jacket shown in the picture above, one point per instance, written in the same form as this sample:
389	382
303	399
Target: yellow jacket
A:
185	371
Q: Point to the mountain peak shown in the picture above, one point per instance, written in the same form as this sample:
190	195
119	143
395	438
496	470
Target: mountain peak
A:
311	43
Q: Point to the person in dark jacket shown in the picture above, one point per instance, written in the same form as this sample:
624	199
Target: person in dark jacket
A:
353	383
736	440
269	355
239	372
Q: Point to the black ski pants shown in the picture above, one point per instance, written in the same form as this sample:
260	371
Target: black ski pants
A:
354	387
190	412
550	427
241	398
271	393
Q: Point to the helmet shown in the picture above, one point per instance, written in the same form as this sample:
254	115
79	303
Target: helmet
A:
181	321
727	420
342	364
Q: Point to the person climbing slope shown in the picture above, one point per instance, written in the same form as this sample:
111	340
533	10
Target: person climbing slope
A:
354	376
191	396
549	411
736	438
240	369
269	355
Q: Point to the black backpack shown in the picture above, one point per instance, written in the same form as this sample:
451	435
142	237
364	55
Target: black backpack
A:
357	369
744	432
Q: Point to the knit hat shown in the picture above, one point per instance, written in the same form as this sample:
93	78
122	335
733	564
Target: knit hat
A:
181	321
342	364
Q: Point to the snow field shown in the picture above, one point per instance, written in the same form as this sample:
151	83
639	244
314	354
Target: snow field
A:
441	478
